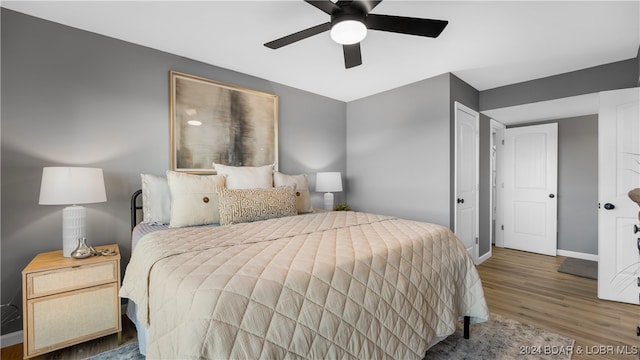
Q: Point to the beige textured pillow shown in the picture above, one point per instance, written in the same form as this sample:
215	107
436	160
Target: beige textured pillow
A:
194	200
303	199
246	177
156	199
246	205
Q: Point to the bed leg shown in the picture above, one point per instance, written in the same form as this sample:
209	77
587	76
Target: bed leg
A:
467	321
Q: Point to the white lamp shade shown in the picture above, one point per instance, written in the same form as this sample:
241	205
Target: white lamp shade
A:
71	185
328	182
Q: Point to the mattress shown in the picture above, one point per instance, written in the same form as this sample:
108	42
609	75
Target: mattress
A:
335	284
143	229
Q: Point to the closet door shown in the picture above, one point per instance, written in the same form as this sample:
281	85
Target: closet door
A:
530	188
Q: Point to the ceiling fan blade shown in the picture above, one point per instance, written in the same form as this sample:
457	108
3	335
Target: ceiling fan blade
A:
325	5
370	4
300	35
352	56
406	25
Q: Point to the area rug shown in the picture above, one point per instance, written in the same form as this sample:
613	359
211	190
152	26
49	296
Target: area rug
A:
502	338
128	351
580	267
498	338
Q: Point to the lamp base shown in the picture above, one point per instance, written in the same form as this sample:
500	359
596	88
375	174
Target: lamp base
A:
73	228
328	201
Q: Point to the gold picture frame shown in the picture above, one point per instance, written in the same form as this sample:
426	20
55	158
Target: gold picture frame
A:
213	122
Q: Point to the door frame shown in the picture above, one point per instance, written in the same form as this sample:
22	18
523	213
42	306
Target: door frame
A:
476	230
551	222
497	141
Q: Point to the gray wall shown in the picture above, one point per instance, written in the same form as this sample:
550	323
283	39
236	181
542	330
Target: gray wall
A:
617	75
577	183
400	152
484	182
71	97
638	62
398	159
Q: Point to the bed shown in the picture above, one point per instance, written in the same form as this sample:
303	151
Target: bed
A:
338	284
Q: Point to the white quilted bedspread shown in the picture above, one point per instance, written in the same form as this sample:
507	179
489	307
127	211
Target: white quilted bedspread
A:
326	285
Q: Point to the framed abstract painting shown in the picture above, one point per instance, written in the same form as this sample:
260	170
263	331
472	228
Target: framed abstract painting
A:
213	122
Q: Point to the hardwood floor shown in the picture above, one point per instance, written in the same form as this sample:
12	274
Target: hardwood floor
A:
527	287
518	285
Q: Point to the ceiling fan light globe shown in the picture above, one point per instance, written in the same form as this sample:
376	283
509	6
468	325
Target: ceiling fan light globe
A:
348	32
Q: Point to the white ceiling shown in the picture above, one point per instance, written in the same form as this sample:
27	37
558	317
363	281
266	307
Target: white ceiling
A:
487	44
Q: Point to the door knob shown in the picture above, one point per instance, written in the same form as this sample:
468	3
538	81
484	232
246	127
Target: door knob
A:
460	201
551	196
609	206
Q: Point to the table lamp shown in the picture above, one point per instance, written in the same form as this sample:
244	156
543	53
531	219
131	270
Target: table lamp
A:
72	186
328	183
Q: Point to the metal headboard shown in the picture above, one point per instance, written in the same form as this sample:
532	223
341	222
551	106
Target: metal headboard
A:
135	207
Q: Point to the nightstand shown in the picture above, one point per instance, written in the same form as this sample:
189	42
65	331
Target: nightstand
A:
67	301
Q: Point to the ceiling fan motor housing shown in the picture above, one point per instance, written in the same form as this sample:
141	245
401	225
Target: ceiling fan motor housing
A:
349	13
348	25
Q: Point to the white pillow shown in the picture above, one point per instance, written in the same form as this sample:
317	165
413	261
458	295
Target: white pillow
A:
156	199
303	199
246	177
194	200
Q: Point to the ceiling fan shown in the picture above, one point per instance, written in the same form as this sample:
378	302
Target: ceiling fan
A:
350	21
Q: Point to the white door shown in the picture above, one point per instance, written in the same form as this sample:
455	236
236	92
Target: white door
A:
619	172
466	175
530	188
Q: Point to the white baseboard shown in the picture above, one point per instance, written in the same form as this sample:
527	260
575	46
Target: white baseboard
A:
11	339
484	258
577	255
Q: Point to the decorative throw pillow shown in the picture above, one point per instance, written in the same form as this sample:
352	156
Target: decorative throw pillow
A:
156	199
246	177
303	199
194	200
246	205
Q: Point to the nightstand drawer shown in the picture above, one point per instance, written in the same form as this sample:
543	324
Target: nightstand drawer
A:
88	314
67	279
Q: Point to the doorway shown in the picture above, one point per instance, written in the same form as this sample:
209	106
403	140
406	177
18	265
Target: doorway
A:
496	196
530	188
